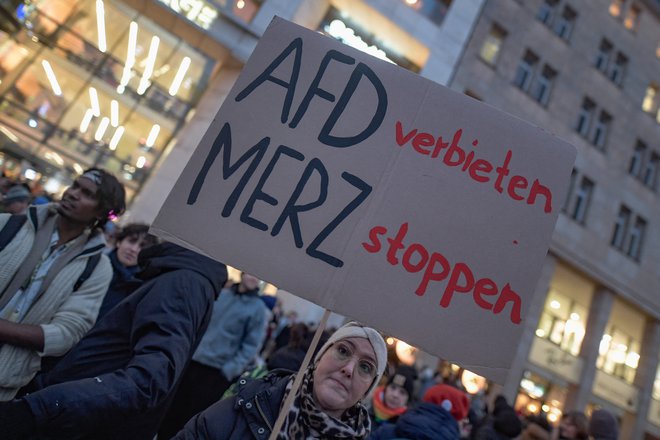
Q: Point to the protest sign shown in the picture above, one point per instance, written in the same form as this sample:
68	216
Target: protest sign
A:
377	194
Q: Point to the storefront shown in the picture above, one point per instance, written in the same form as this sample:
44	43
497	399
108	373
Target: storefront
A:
97	83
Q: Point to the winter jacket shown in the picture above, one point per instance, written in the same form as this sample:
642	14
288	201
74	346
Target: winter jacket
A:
423	422
250	414
117	291
235	333
119	380
64	315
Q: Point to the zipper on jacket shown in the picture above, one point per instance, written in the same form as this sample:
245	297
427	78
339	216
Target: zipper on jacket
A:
261	413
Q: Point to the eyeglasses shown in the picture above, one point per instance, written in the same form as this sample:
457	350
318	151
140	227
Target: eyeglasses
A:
343	353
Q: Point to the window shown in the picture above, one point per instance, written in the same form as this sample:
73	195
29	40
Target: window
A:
601	129
569	193
563	322
615	8
604	54
644	165
490	50
543	85
582	199
547	11
434	10
585	116
564	26
628	235
618	354
526	70
650	102
632	17
618	69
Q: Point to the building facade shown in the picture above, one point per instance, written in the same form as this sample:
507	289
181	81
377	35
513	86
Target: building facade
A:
587	71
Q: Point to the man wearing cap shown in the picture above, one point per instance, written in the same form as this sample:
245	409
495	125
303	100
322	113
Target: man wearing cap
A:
45	305
17	199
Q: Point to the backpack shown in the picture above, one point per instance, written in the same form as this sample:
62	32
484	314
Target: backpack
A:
16	222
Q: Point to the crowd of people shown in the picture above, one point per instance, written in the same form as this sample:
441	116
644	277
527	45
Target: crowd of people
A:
108	333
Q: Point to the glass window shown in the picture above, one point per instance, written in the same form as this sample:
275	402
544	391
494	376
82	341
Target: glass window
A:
603	56
563	322
618	354
582	200
547	11
615	8
526	70
650	101
621	227
632	17
564	26
434	10
543	85
650	175
601	129
618	69
585	116
637	158
636	238
490	50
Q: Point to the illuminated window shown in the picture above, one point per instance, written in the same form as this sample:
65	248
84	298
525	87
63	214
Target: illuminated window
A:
434	10
490	50
618	354
563	322
656	385
651	101
615	8
632	17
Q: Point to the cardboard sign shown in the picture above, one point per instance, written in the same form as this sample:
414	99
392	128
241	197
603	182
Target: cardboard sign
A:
377	194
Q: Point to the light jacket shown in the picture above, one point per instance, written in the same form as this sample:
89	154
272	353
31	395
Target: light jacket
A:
64	316
235	333
119	380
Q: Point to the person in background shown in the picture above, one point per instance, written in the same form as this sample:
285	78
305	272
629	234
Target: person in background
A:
232	340
392	400
17	199
327	404
436	417
118	381
130	240
603	425
502	424
573	426
53	275
536	427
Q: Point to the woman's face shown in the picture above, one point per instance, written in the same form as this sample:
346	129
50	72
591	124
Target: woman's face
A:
395	396
343	375
567	428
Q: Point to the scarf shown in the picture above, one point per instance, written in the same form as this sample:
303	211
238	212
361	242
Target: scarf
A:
306	422
382	411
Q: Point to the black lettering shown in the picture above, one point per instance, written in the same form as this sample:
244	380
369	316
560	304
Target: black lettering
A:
291	210
314	86
312	249
258	193
266	75
377	119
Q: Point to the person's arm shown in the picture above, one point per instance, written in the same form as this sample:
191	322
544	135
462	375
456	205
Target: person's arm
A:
21	335
250	345
165	326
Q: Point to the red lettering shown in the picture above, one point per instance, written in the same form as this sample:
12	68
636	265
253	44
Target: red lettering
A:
424	257
423	140
468	161
507	296
478	166
502	171
516	182
400	138
485	286
439	146
396	244
431	274
454	148
453	286
537	188
375	245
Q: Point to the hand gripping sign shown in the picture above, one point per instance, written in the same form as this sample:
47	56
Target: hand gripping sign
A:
376	194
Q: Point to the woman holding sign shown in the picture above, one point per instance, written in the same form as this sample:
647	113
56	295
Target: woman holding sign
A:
327	404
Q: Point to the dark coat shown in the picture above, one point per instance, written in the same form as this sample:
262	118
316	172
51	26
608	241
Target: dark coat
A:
120	378
250	414
124	282
423	422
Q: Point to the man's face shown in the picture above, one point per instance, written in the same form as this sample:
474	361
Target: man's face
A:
129	248
395	396
80	202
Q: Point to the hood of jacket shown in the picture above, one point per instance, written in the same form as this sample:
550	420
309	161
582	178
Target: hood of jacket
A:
427	421
166	257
